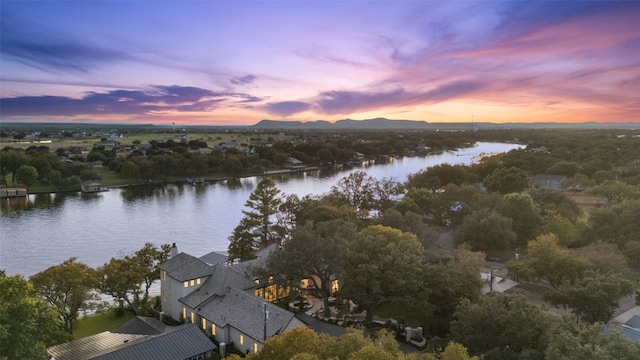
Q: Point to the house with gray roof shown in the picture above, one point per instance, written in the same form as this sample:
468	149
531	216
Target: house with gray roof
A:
184	342
245	320
179	276
225	300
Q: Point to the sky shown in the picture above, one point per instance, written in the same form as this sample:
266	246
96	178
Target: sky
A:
238	62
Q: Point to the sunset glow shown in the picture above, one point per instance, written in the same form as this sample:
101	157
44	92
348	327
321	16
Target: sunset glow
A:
238	62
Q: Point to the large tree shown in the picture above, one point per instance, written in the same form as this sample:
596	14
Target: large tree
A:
147	260
507	180
549	261
128	279
258	224
614	190
315	252
502	326
356	190
119	279
67	287
525	215
28	325
485	229
26	175
381	267
594	297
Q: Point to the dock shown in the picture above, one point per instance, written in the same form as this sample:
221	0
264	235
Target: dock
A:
13	192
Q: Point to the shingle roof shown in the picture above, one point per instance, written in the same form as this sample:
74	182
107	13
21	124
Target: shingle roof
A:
142	325
245	312
183	267
183	342
214	258
222	277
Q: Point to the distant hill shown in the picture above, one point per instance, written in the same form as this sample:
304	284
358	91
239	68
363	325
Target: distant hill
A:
387	124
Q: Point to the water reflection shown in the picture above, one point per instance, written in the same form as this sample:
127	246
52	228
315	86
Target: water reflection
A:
151	191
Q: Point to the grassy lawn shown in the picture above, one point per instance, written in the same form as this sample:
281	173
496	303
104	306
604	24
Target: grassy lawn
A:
98	323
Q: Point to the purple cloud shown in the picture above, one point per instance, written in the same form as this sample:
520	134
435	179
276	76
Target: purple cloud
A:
243	80
46	53
346	102
156	98
286	108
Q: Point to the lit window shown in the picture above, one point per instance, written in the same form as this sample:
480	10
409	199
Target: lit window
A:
335	286
184	313
256	281
193	282
270	278
255	347
241	339
204	324
192	317
198	281
304	283
186	284
164	275
213	329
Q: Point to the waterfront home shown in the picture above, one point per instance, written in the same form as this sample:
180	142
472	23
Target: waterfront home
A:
294	164
225	300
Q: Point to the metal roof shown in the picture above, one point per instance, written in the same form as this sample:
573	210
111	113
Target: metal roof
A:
182	342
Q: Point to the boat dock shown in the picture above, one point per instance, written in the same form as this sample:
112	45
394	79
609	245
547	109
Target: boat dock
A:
13	192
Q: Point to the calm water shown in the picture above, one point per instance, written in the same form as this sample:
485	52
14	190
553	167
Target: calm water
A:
46	229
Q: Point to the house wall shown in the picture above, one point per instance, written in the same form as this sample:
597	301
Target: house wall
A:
242	342
171	290
221	333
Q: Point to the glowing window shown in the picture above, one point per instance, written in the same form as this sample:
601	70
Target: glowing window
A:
255	347
304	283
192	317
241	339
193	282
213	329
186	284
184	313
198	281
204	324
164	275
335	286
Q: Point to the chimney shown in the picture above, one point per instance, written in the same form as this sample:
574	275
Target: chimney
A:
174	251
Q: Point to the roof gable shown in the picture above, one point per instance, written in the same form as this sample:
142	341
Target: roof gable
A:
245	312
142	325
183	267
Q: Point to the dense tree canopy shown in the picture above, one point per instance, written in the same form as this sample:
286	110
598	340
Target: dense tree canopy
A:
381	267
594	297
507	180
67	287
28	325
316	252
549	261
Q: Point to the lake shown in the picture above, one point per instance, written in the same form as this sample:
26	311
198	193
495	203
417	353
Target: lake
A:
45	229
